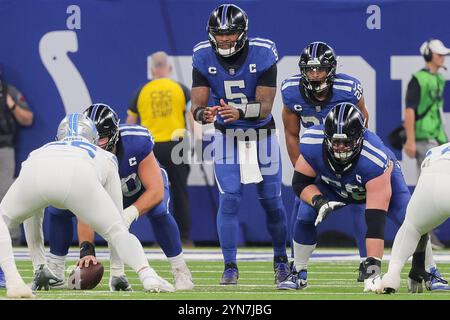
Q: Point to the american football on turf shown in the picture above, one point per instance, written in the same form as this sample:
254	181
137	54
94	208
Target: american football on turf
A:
85	278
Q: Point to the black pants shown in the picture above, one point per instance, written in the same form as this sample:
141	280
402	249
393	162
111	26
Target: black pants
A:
178	175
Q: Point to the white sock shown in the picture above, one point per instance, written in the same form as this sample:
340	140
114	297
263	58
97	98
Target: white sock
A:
116	266
7	262
429	260
177	261
35	239
129	250
57	264
302	253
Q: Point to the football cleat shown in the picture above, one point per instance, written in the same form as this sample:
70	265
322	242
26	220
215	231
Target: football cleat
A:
295	281
157	284
119	284
390	283
361	272
436	281
19	290
372	274
415	279
282	272
183	279
42	277
57	266
2	279
230	275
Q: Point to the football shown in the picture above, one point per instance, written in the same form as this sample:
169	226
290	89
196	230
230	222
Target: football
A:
85	278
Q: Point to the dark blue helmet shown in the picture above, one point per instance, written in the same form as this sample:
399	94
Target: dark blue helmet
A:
227	19
318	56
344	133
107	123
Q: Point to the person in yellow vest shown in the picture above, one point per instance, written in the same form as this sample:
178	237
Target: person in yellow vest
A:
424	104
161	105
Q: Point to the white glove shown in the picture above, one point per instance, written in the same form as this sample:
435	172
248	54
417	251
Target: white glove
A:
326	208
129	215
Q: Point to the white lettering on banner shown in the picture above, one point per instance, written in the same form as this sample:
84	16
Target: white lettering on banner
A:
53	49
402	68
74	20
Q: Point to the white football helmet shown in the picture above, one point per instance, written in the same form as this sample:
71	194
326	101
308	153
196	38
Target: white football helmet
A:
76	125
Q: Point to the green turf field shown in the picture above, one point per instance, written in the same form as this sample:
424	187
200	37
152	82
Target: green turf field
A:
326	281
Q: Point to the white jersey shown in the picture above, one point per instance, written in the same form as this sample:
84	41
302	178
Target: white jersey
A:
103	162
441	152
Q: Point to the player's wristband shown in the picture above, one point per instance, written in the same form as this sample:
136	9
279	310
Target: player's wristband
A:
318	201
87	249
250	111
199	115
13	107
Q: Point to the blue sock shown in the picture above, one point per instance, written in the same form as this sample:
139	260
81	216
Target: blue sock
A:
359	232
167	234
305	232
292	224
60	231
228	225
276	224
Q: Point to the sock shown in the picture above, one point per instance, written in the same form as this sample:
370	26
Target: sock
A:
167	234
228	225
177	261
60	231
35	239
302	253
276	224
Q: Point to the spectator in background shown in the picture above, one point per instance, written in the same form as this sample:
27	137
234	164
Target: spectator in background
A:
424	100
14	111
161	105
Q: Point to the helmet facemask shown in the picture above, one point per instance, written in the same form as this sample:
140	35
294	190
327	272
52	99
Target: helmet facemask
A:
320	85
342	148
233	46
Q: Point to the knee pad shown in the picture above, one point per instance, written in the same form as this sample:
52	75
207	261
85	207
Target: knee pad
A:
375	220
114	231
229	203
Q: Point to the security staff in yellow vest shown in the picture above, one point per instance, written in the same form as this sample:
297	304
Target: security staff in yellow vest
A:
424	100
162	105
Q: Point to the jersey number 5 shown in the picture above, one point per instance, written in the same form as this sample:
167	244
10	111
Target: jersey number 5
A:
228	85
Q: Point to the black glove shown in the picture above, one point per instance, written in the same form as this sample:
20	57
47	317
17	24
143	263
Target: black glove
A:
324	207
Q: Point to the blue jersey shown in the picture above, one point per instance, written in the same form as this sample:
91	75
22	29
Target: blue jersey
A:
345	89
350	187
135	144
236	87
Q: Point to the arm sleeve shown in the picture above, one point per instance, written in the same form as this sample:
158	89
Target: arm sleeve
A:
269	77
198	80
412	99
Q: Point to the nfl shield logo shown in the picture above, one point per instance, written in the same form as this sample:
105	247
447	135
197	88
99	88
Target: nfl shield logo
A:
231	71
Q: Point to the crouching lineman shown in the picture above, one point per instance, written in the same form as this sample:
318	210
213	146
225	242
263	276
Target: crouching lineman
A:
75	174
145	191
428	208
343	163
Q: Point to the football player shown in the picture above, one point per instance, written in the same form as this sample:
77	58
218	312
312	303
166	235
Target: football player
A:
343	163
428	208
307	99
240	73
74	173
145	191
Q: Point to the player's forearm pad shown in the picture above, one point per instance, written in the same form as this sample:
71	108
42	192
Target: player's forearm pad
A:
300	182
375	220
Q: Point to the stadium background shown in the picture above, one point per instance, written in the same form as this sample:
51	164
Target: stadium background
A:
61	67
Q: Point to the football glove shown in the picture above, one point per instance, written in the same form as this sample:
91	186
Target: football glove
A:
324	207
129	215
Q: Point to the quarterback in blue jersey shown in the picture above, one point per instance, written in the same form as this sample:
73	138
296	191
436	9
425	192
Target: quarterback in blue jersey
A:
307	99
145	191
240	74
343	163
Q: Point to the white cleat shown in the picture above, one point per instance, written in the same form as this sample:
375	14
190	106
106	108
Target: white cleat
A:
183	279
372	284
390	283
19	290
157	284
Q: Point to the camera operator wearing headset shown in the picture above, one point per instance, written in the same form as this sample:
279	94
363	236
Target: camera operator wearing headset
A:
424	99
